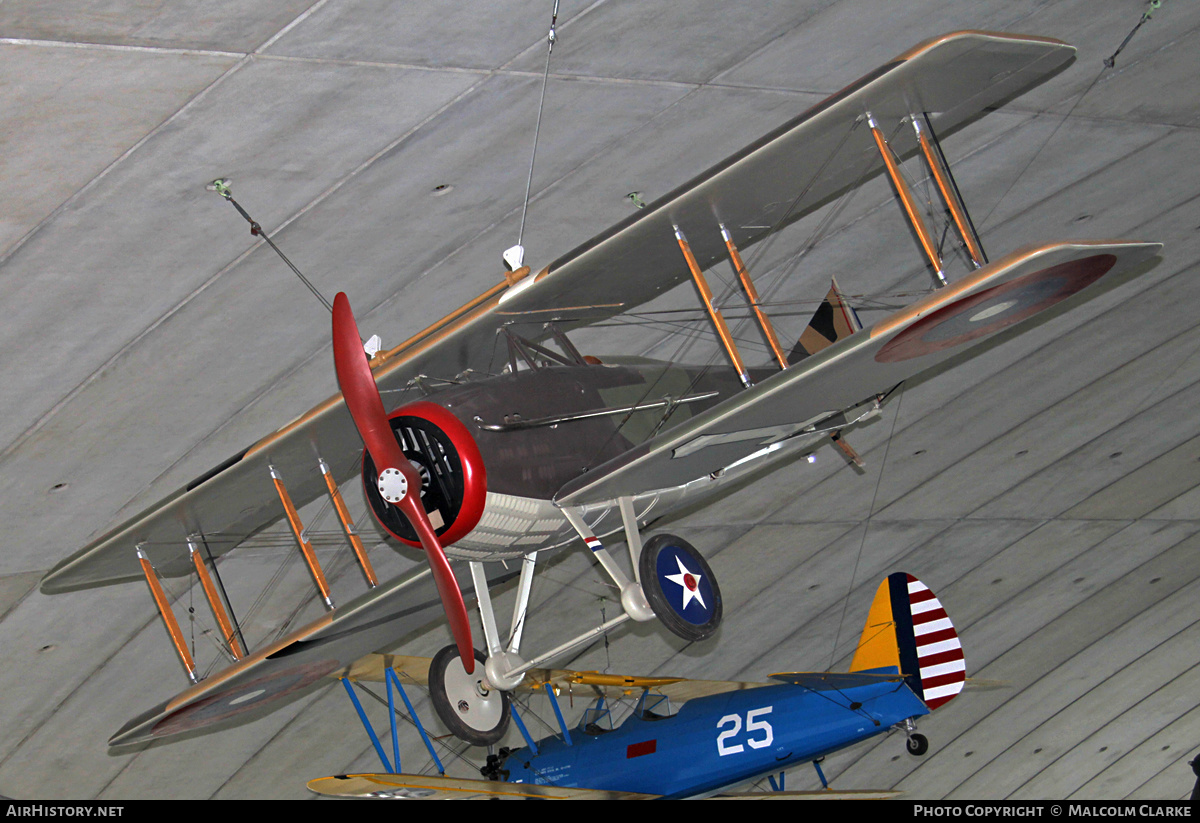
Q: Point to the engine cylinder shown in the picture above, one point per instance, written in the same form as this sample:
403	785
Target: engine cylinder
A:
453	479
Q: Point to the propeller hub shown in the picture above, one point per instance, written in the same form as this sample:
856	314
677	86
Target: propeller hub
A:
393	485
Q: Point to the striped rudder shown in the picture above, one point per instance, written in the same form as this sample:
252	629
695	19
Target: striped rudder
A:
908	629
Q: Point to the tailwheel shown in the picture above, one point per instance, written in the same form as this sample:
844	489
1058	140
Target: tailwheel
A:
917	744
680	587
469	707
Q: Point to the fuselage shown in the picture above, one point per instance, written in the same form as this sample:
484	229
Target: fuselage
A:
718	741
538	429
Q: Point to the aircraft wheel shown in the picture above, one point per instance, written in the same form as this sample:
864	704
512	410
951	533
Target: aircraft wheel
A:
680	587
917	744
469	708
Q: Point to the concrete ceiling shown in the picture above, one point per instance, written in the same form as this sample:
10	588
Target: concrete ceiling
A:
1048	488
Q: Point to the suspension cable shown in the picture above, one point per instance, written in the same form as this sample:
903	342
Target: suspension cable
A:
550	38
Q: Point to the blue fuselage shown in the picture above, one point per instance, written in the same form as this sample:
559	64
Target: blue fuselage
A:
718	741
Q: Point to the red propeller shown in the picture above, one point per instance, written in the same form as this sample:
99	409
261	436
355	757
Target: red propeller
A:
399	480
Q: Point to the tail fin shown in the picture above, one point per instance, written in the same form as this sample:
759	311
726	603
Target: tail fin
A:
833	320
907	628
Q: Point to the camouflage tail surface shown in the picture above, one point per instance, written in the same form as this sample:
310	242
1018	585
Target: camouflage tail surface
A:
908	628
833	321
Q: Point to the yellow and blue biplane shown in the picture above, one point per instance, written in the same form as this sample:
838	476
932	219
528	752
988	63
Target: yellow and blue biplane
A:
909	661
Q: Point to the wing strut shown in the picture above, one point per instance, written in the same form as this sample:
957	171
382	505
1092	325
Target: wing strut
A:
348	526
168	616
909	203
714	313
764	322
946	186
214	602
306	548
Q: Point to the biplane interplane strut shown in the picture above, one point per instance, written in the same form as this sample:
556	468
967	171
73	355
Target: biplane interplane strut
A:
563	449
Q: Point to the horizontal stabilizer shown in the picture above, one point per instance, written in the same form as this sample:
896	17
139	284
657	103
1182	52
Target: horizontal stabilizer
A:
833	681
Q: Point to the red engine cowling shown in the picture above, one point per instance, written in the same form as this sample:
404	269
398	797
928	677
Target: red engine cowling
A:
453	479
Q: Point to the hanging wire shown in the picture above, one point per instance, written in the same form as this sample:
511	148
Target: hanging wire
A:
550	38
221	187
866	526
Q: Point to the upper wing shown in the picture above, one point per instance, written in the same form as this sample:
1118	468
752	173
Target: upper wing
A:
774	181
793	170
866	363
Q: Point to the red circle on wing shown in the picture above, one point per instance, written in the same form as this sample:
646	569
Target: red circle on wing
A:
1031	293
243	697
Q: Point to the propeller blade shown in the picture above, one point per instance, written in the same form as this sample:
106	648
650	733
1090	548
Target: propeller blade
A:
366	408
359	389
443	576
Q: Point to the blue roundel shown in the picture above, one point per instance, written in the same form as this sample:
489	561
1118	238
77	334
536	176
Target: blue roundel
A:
687	589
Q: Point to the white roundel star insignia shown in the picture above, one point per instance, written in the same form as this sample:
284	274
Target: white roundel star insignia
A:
689	582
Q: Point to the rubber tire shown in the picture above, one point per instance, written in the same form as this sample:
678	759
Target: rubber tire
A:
659	602
444	704
917	744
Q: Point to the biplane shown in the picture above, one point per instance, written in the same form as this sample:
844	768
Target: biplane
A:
908	662
518	444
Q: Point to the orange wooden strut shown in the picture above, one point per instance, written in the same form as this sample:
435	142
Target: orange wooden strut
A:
764	322
306	548
957	212
214	603
907	201
713	312
168	616
344	515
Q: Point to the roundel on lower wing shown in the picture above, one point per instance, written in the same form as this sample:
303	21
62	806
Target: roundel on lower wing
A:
994	309
243	698
687	588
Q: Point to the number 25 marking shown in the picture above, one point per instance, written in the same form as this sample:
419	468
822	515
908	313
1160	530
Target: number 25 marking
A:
753	724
